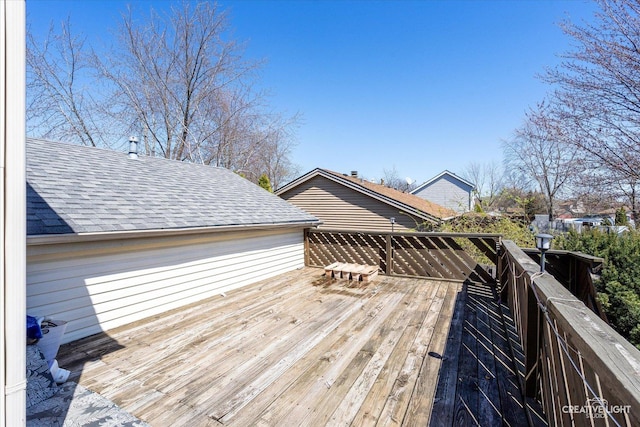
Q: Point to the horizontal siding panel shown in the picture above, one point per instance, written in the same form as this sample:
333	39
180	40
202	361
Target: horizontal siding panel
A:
446	193
101	292
168	279
130	259
83	275
340	207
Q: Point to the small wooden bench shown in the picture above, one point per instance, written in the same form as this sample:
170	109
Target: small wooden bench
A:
358	272
352	271
370	272
334	270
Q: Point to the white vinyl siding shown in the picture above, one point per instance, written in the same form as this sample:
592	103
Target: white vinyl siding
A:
101	291
340	207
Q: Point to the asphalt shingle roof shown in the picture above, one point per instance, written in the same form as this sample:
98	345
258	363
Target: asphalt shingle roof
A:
408	199
78	189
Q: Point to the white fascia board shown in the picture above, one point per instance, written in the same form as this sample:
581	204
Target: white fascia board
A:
46	239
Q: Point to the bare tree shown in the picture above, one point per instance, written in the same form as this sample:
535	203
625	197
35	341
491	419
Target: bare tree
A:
60	105
488	178
391	179
274	159
598	87
539	151
606	188
177	80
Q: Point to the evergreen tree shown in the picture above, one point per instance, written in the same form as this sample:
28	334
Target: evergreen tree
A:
265	183
621	217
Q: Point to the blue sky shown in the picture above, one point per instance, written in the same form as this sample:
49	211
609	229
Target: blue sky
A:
419	86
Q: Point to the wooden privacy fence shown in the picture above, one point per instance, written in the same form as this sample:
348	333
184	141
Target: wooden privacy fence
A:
449	256
581	370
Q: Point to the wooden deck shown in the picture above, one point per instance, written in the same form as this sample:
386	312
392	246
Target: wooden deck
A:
299	349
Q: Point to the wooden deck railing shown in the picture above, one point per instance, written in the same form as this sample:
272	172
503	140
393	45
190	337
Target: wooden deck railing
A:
448	256
581	370
576	272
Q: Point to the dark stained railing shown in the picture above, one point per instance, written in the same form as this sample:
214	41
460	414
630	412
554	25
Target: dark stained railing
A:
581	370
448	256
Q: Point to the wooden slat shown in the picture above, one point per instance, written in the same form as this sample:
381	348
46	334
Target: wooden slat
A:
472	265
423	250
489	405
467	398
419	409
488	246
435	255
443	406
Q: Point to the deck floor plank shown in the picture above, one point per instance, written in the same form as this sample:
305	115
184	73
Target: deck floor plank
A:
408	362
297	349
467	399
419	409
489	405
397	332
383	393
325	355
312	387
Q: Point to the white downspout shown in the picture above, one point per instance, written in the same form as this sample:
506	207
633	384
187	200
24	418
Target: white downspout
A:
13	211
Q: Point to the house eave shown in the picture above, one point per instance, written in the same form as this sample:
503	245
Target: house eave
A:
51	239
440	175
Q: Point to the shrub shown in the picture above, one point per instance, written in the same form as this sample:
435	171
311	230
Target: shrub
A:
619	285
511	228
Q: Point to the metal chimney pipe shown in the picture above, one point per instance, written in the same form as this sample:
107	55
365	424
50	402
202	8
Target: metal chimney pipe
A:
133	147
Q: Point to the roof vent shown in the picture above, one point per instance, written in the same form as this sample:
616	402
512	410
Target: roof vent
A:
133	147
354	174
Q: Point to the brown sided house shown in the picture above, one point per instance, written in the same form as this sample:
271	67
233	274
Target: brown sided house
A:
351	203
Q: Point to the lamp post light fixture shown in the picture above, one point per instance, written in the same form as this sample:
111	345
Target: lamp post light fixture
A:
393	221
543	243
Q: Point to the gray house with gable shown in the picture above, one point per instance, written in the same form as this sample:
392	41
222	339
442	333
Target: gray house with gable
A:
113	239
449	190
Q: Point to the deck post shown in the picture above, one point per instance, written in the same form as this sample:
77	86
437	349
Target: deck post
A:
389	260
306	247
531	336
500	280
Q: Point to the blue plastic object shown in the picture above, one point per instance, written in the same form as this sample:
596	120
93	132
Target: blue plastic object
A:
33	328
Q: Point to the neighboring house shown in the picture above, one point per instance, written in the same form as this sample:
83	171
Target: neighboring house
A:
448	190
113	239
351	203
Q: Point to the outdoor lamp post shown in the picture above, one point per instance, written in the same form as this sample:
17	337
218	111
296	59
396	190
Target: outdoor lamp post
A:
543	243
393	221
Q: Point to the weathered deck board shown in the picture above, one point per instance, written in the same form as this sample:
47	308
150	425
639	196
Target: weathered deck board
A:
298	349
478	383
419	410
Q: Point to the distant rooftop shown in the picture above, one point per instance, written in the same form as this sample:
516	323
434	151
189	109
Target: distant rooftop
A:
389	195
